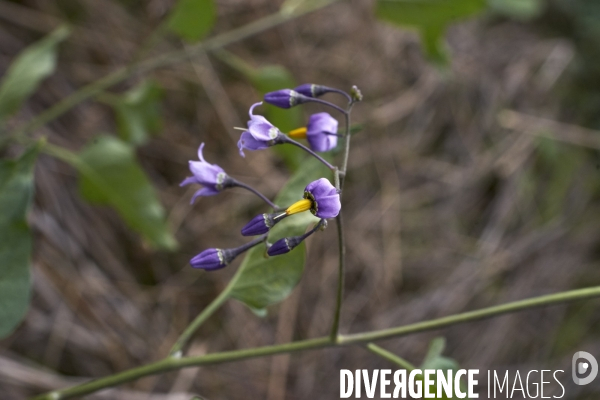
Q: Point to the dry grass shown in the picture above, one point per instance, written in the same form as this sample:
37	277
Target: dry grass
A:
443	206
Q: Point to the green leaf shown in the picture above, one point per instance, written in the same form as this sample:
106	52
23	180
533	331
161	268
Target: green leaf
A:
110	175
435	360
192	19
271	78
27	71
16	193
429	17
523	10
262	281
138	112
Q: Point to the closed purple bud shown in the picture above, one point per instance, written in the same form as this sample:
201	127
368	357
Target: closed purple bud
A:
212	259
325	198
312	90
284	245
287	244
209	259
321	132
285	98
211	176
262	223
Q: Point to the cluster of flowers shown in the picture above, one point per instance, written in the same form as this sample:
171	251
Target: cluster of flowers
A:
321	198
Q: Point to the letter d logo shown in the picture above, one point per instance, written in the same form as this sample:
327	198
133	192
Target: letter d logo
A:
582	363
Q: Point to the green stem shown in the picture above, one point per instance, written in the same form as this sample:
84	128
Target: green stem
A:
170	364
346	145
515	306
71	101
178	347
335	326
339	182
164	60
257	193
391	357
188	333
286	139
328	104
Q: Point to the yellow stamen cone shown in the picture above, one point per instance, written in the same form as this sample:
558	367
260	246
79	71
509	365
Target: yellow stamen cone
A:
299	206
299	133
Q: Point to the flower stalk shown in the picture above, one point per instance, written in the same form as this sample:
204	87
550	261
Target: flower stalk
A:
264	198
175	363
286	139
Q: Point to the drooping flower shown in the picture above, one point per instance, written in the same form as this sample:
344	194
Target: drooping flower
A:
285	98
321	132
211	176
262	223
260	134
321	198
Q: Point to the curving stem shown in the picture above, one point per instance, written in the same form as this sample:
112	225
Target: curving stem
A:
286	139
346	95
326	103
236	183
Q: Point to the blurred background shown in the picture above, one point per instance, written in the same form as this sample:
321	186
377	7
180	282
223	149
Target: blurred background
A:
474	181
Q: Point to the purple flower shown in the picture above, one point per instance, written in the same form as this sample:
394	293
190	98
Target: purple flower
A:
211	176
285	98
260	134
325	198
321	198
321	132
262	223
209	259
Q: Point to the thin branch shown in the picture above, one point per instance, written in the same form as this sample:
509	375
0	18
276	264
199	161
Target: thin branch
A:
165	60
184	338
257	193
170	364
346	145
335	326
334	90
286	139
326	103
339	182
391	357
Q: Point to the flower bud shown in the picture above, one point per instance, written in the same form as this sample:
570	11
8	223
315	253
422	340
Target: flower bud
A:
284	245
209	259
212	259
356	94
285	98
312	90
262	223
287	244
